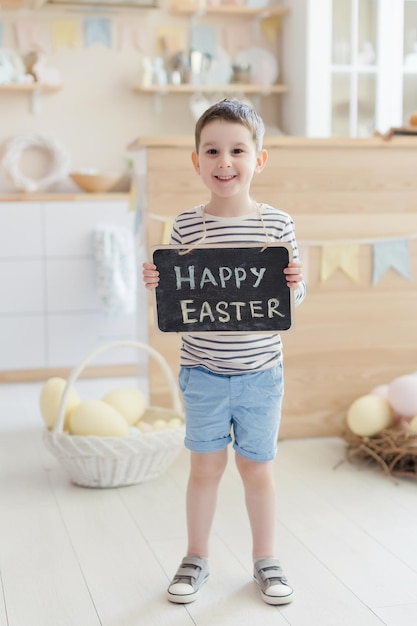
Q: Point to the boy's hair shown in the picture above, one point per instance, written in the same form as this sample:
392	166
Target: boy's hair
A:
236	111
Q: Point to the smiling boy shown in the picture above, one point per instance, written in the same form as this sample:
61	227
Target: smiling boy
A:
232	383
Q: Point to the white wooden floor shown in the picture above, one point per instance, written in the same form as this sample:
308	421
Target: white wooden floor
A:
71	556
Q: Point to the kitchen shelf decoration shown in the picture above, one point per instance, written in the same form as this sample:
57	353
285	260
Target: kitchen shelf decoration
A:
24	141
215	63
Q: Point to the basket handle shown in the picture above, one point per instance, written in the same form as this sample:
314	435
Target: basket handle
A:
76	371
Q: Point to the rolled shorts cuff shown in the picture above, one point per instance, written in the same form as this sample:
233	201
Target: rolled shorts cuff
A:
207	446
251	456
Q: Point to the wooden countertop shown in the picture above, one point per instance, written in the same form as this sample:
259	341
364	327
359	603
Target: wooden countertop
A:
286	142
62	197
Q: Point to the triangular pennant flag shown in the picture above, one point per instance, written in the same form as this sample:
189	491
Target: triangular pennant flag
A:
65	33
97	30
393	254
134	35
343	256
303	250
32	36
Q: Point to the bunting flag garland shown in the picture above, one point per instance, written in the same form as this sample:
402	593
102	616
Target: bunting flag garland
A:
303	253
170	40
238	37
269	27
65	34
32	36
391	254
343	256
134	35
204	39
97	30
387	253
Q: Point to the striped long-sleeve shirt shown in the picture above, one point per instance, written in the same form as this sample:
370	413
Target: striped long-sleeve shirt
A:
234	353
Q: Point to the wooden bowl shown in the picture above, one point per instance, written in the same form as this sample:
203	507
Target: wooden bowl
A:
94	181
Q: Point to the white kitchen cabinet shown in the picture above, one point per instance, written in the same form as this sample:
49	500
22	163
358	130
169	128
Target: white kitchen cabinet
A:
50	312
20	230
23	342
22	286
360	60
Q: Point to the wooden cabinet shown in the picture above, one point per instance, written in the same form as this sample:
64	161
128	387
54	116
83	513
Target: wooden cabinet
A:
348	336
358	62
50	313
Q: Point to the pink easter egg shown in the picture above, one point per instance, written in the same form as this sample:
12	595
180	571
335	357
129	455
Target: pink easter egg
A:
402	395
380	390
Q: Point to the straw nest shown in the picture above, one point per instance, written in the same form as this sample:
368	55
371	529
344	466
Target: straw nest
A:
394	450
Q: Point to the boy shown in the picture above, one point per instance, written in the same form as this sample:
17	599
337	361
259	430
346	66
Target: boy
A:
231	381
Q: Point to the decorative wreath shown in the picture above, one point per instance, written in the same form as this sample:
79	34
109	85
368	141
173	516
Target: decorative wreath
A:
13	153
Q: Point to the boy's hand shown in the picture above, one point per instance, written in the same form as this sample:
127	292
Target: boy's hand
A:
150	275
293	274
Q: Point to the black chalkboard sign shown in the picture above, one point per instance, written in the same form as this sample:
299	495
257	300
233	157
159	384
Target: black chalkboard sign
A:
221	288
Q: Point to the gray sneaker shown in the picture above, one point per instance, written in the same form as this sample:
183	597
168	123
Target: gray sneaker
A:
272	581
191	574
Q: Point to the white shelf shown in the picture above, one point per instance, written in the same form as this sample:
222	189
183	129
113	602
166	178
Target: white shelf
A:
229	88
34	90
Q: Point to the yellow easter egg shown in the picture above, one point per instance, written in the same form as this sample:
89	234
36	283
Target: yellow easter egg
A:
50	400
175	422
368	415
129	402
95	417
159	425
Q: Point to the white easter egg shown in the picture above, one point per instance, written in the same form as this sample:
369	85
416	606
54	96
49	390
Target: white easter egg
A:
50	400
402	395
144	427
95	417
413	425
129	402
368	415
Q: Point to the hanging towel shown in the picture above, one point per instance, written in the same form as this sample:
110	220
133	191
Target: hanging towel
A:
116	268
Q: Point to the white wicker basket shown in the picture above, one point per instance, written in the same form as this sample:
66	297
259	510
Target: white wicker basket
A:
93	461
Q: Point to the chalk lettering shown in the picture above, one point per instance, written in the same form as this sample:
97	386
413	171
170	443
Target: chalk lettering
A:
273	305
224	311
190	279
207	277
225	274
259	274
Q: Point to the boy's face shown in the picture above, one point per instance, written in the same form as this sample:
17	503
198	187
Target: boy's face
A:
227	158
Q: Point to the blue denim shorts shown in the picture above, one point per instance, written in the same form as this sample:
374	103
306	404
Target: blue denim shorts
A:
243	408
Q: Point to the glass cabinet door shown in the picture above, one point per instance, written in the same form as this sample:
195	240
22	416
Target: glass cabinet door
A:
362	66
354	67
409	61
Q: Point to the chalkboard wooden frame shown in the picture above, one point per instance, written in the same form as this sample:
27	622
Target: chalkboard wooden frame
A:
201	291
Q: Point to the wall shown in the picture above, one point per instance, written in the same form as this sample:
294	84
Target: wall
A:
97	114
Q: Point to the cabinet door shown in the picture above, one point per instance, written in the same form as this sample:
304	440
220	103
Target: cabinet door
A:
20	230
22	286
69	226
409	68
22	341
354	73
71	285
71	337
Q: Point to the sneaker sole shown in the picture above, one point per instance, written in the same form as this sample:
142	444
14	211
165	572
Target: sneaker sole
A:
185	599
276	600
